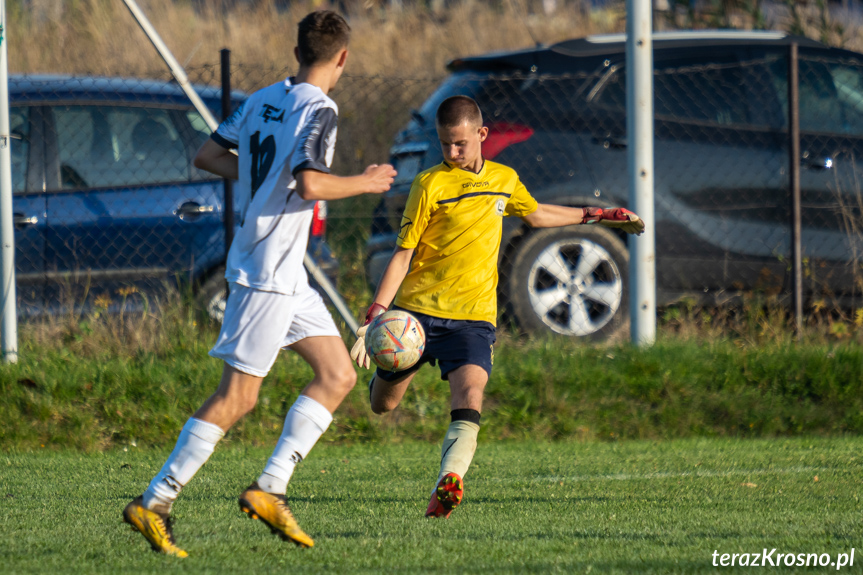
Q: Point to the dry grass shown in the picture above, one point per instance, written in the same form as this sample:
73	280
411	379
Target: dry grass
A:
101	37
134	323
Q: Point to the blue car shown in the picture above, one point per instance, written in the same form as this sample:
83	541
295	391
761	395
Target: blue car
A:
106	200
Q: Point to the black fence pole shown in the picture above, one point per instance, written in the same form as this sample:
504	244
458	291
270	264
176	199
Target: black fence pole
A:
794	185
229	188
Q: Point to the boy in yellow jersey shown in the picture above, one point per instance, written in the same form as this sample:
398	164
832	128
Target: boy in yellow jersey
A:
444	271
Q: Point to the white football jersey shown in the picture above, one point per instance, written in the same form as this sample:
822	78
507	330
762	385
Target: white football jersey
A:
277	132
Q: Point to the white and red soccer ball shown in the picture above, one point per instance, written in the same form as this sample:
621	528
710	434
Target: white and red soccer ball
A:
395	340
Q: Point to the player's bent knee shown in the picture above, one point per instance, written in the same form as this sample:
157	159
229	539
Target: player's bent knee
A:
349	379
247	404
343	379
383	406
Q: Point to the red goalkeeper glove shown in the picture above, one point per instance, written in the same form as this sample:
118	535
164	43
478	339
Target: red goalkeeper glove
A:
617	218
358	352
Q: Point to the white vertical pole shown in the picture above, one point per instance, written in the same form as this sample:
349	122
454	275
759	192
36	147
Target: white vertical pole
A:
9	327
639	134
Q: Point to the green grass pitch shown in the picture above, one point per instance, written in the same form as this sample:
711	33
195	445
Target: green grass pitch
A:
628	507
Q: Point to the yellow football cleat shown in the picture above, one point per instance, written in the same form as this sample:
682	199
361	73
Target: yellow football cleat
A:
155	527
274	511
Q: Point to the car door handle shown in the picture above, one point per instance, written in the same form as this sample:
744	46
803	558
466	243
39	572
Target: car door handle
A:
23	221
823	163
193	209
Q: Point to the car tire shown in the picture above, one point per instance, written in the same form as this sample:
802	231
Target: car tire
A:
573	281
213	295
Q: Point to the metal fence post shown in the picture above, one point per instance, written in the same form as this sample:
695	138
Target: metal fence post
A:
639	135
9	330
226	111
794	185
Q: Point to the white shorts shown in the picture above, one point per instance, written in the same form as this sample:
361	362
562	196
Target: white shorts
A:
257	324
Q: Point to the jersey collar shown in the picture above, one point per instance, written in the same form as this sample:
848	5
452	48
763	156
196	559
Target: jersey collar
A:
291	82
477	175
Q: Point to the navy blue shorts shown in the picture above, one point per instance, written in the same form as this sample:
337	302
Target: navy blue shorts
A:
452	343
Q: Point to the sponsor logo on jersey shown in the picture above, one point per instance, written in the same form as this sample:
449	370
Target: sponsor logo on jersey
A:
272	113
498	207
475	185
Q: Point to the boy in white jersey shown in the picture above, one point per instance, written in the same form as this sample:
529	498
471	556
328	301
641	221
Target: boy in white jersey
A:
444	272
285	136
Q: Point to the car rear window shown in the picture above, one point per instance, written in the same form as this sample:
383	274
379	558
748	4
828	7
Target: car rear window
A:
459	84
831	94
711	93
532	99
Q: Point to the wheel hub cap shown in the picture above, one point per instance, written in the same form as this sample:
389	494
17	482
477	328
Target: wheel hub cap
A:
575	287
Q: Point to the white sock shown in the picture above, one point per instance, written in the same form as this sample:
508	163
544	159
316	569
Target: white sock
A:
459	445
305	423
194	446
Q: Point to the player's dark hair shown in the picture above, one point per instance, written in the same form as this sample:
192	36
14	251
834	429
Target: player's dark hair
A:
456	110
320	36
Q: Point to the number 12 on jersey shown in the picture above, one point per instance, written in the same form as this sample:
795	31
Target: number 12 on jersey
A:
263	153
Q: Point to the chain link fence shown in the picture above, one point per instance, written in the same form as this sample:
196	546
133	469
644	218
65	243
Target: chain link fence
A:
108	204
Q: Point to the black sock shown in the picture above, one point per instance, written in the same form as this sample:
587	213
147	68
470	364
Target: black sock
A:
470	415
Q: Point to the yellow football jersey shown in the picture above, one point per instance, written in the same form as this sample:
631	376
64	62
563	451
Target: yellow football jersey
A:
453	219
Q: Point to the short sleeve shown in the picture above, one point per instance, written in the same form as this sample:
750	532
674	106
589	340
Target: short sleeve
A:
227	134
316	142
415	217
521	203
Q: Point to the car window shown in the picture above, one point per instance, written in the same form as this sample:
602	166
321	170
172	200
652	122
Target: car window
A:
115	146
19	126
710	93
831	95
200	132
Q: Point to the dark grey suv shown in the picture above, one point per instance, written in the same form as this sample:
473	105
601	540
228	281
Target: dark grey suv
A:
557	115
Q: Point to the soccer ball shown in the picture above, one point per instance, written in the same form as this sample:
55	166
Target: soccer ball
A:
395	340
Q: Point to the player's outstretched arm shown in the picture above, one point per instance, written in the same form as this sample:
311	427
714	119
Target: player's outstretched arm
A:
217	160
315	185
551	216
394	275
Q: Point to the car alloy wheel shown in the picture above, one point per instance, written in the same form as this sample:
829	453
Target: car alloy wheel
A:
572	281
213	295
216	304
575	287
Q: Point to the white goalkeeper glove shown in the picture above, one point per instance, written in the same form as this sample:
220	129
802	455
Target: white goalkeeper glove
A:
617	218
358	352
